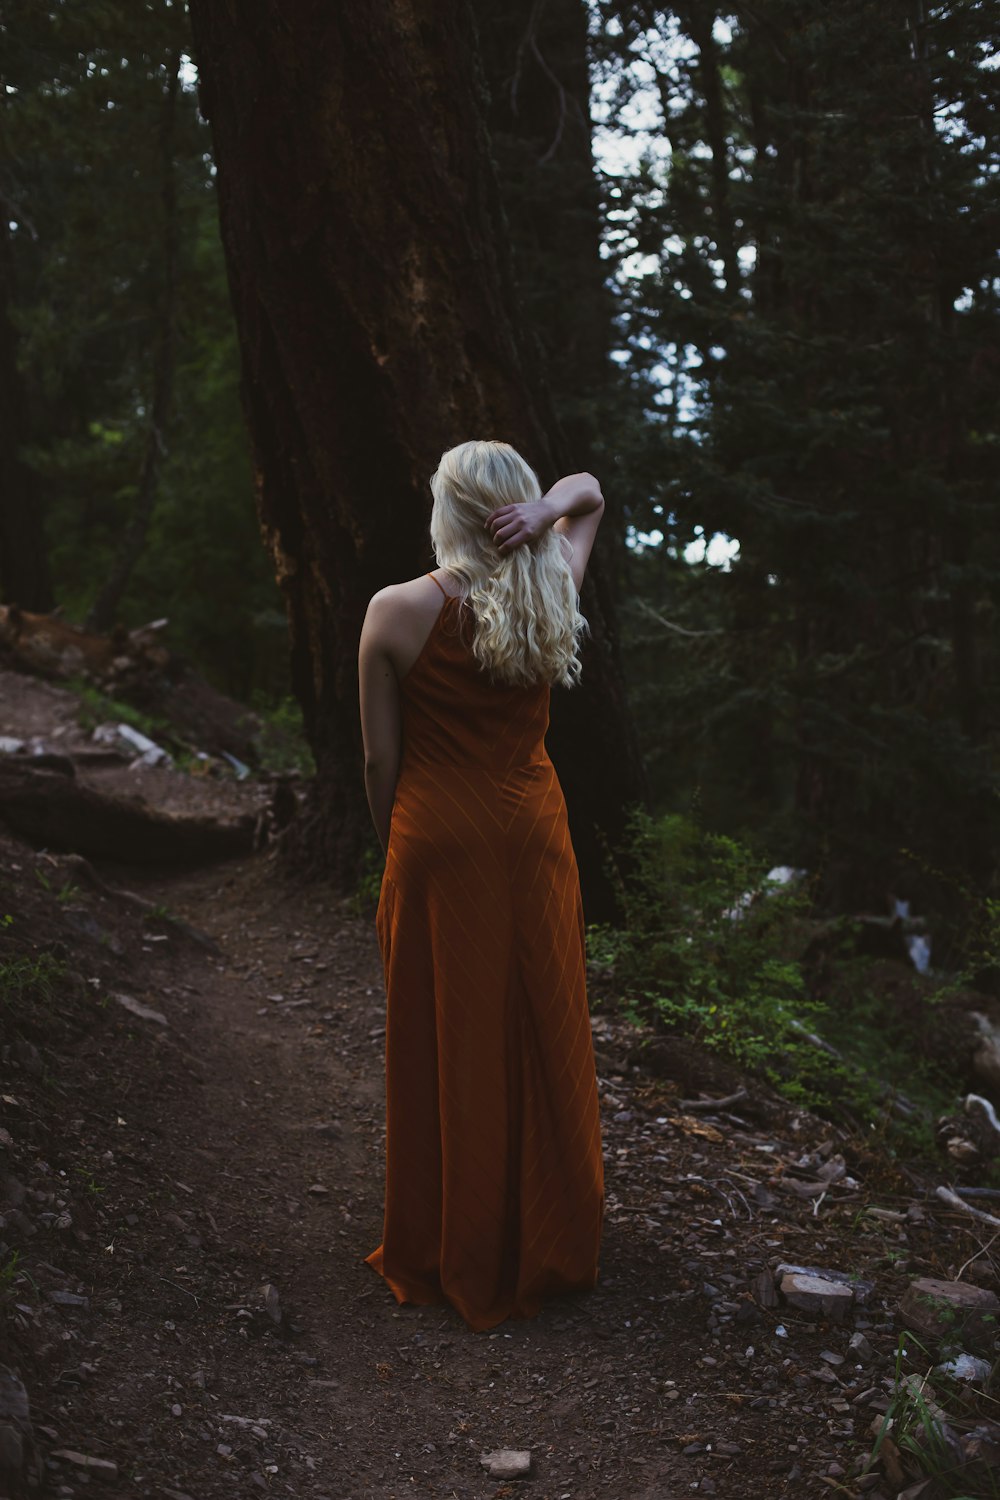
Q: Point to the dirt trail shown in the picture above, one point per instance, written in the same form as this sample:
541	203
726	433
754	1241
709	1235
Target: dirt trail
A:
233	1343
281	1142
249	1154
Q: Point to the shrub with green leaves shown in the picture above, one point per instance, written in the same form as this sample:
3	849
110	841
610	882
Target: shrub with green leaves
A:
707	942
709	948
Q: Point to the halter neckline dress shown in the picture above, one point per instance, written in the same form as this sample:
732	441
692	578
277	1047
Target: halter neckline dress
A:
494	1191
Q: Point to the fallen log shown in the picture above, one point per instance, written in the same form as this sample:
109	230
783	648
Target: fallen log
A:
54	811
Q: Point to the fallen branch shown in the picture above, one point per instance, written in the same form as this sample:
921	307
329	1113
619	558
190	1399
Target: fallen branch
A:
694	1104
954	1201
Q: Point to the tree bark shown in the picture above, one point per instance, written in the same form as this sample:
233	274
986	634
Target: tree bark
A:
24	565
105	609
370	274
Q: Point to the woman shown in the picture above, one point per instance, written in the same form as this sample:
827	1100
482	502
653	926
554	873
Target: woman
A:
494	1187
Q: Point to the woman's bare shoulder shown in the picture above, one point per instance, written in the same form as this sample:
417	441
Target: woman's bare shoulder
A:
400	605
412	592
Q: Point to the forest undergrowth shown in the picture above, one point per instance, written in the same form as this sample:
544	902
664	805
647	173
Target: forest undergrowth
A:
713	946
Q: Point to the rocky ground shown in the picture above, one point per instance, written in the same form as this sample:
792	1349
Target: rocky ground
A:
190	1176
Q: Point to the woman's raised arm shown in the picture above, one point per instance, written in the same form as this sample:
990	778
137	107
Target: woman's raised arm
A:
573	507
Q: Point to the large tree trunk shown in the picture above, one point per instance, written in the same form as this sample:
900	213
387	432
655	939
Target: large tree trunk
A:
371	279
24	566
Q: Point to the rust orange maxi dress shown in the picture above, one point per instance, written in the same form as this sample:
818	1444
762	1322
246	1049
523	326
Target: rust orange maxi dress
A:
494	1192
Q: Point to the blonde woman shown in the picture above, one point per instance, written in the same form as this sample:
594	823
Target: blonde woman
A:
494	1189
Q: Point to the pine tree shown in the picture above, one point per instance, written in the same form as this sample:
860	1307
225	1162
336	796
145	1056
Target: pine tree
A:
131	442
824	234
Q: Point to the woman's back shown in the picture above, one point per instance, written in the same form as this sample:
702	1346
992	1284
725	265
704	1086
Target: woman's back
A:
454	715
494	1170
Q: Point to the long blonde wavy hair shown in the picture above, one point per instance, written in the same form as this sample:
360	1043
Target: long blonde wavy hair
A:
527	626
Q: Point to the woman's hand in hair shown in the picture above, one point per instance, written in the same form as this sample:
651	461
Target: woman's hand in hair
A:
514	526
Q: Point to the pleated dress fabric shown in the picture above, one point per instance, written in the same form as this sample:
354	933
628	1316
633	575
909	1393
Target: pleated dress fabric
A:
494	1192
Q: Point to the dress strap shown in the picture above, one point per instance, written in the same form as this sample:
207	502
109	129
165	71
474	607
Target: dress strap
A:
431	575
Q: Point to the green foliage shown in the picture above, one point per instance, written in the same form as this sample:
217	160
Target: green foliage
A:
89	1181
83	181
281	742
29	977
915	1423
97	707
707	948
9	1270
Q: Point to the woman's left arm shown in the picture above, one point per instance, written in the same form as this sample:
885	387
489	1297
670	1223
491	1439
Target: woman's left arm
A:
381	726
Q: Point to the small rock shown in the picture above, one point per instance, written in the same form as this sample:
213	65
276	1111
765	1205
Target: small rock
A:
136	1007
828	1357
69	1299
763	1290
951	1312
507	1463
318	1189
861	1349
892	1462
29	1057
96	1468
814	1295
861	1290
13	1191
966	1367
981	1447
272	1301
